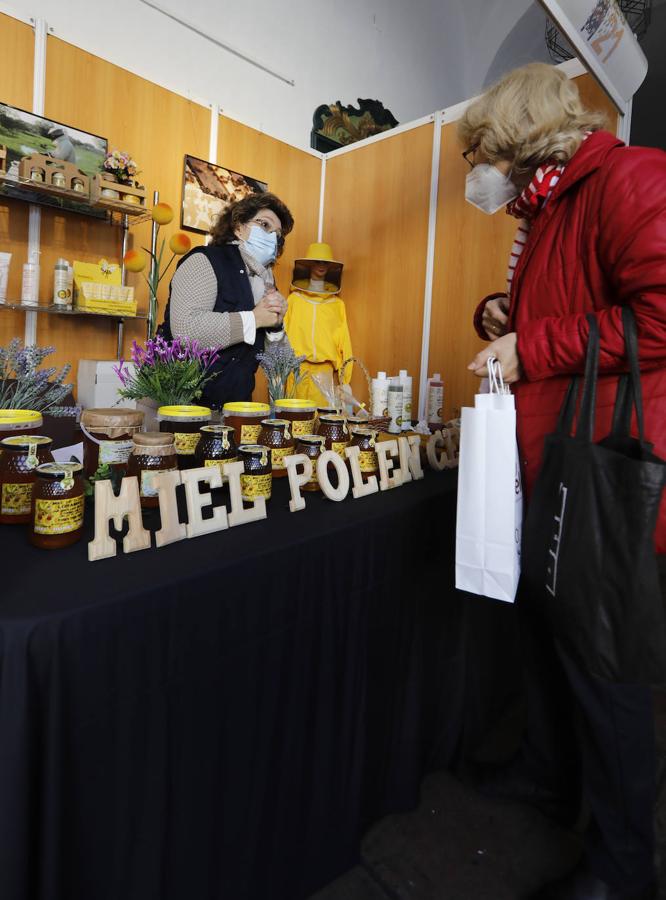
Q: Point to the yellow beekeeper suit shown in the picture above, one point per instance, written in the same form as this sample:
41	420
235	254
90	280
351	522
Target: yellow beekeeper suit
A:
316	323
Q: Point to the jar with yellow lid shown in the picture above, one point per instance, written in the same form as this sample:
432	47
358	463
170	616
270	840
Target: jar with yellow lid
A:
312	445
152	452
216	447
365	439
301	414
57	507
245	419
257	478
335	430
19	421
184	423
276	434
107	437
21	455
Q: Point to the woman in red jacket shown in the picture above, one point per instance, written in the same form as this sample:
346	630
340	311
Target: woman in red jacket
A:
591	237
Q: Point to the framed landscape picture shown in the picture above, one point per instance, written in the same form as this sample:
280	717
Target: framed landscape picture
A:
208	190
24	133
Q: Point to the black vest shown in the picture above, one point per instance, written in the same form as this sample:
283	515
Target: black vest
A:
236	365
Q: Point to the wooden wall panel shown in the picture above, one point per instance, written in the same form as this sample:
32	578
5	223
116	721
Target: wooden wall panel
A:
158	128
292	174
376	219
16	67
471	259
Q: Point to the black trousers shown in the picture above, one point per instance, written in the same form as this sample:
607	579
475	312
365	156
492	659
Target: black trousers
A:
595	738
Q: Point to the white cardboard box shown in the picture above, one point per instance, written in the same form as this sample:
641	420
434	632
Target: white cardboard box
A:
98	385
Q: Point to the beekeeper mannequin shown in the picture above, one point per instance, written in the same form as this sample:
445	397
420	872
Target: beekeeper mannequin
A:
316	323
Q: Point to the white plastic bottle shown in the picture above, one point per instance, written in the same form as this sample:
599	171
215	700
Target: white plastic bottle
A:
380	386
406	381
30	283
62	294
435	402
395	407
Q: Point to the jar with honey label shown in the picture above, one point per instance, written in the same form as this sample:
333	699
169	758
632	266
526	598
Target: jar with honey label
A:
301	414
245	419
365	439
57	506
152	452
107	438
312	445
257	478
21	455
335	430
184	422
19	421
216	447
276	434
325	411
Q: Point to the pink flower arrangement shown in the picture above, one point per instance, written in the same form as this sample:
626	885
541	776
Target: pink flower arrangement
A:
120	164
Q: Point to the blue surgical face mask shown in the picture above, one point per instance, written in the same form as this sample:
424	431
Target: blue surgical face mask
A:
262	245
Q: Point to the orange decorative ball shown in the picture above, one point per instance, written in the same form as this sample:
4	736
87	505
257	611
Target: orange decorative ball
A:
162	213
180	243
135	260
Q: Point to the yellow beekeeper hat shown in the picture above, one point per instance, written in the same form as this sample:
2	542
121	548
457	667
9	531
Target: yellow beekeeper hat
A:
318	252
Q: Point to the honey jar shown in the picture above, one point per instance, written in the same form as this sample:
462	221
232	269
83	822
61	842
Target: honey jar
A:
19	421
365	439
152	452
57	508
217	446
21	455
325	411
276	434
245	419
301	414
58	180
312	445
107	437
184	422
336	432
257	479
78	185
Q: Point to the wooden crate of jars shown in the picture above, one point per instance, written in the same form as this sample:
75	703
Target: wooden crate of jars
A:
114	195
54	176
3	160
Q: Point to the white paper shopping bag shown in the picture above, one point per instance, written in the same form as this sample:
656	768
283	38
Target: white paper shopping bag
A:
490	500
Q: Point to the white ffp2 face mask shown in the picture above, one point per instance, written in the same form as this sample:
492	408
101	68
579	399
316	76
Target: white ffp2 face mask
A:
488	189
262	245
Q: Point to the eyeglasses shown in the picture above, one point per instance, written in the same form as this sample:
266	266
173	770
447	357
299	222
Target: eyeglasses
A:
267	226
469	153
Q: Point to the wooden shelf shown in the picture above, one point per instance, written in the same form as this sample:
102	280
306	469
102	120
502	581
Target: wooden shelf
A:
72	201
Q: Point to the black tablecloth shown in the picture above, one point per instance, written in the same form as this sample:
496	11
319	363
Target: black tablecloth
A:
221	718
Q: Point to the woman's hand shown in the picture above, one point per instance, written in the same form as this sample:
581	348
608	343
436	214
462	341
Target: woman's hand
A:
505	350
277	302
268	312
495	318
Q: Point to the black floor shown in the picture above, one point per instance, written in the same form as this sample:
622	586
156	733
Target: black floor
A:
459	845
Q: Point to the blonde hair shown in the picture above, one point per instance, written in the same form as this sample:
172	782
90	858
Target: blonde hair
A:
533	114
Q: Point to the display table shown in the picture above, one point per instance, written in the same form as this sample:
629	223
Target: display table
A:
221	718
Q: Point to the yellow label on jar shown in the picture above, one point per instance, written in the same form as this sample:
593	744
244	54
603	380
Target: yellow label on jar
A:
339	448
250	434
58	516
303	426
368	461
220	463
255	486
186	442
148	487
16	499
278	455
114	452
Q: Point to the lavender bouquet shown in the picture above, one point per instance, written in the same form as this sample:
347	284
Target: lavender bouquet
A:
167	372
23	385
282	369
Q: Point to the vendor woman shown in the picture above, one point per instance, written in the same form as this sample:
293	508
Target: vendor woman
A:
224	295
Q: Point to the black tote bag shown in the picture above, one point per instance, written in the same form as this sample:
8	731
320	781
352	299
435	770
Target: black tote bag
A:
589	562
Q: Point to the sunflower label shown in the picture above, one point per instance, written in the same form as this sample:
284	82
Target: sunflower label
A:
250	434
255	486
186	442
16	499
58	516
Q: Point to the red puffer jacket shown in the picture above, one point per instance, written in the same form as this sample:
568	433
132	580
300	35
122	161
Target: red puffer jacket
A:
599	243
